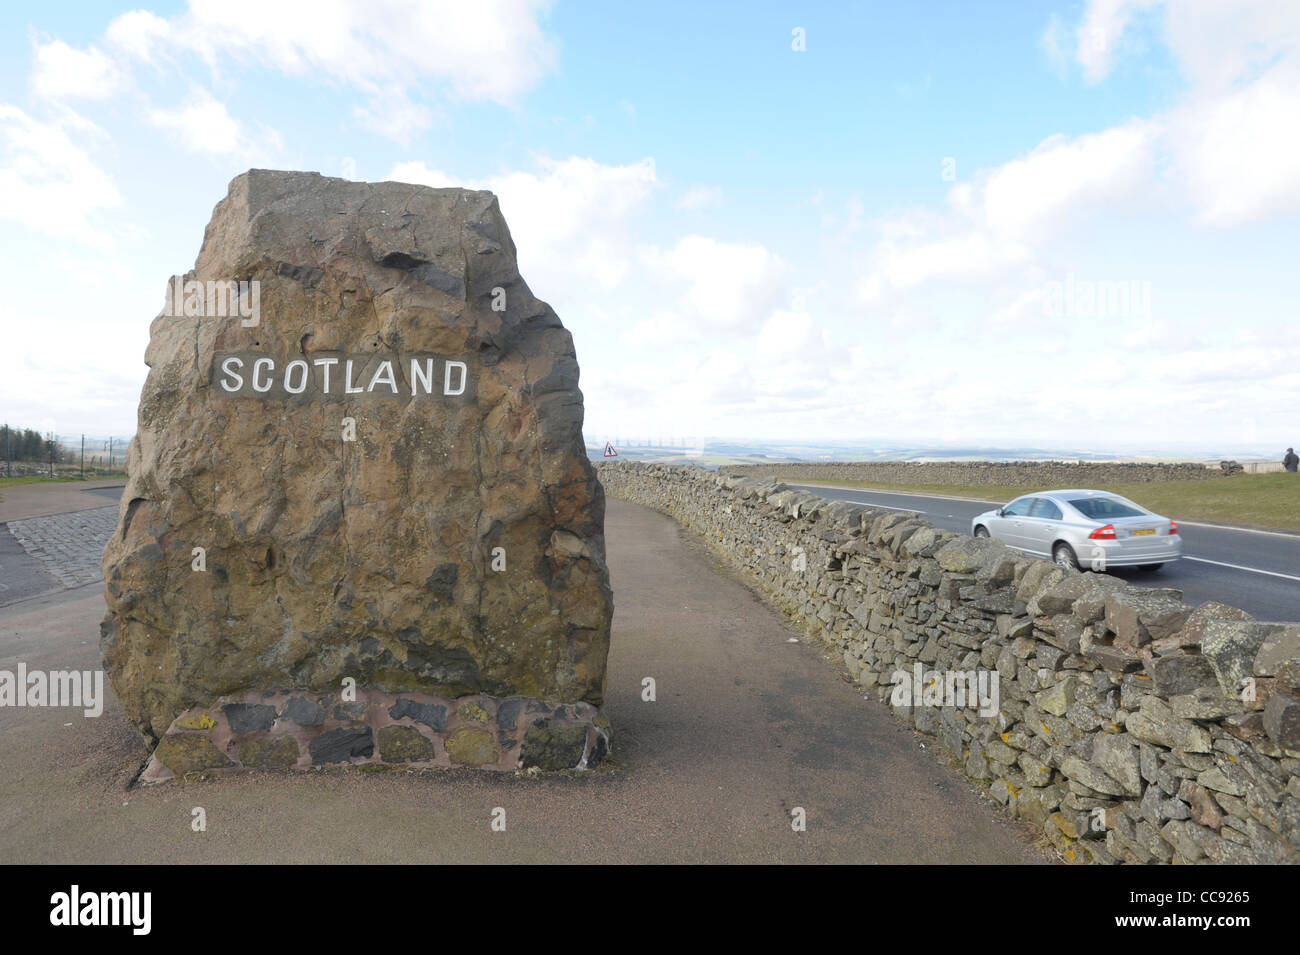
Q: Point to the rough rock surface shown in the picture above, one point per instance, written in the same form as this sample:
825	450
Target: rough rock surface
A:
374	558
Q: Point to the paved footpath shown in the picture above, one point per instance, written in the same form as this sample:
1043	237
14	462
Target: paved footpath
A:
746	727
52	535
68	546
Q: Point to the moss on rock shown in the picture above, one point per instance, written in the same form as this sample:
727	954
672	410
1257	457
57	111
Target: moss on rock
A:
400	744
472	746
188	752
279	752
553	746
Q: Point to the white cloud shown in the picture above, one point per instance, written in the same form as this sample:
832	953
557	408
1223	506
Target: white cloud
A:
869	288
974	255
1099	32
489	50
787	336
1202	366
1002	220
662	330
1024	312
800	360
96	308
1149	335
575	197
49	182
203	125
570	218
139	34
1229	147
419	173
1220	46
725	283
1062	177
1223	157
394	115
1217	45
1050	42
1236	153
699	197
61	72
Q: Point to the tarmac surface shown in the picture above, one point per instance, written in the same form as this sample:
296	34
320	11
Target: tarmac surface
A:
746	727
1255	569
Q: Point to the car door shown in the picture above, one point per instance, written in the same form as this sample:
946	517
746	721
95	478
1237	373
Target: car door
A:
1041	525
1010	527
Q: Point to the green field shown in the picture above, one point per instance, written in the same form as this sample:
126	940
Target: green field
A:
1263	500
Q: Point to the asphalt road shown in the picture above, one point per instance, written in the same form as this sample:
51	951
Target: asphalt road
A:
1258	571
747	724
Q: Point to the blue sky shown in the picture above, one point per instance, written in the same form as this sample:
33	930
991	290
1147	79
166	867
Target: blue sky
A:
860	240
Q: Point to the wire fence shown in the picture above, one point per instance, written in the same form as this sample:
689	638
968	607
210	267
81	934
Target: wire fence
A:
28	453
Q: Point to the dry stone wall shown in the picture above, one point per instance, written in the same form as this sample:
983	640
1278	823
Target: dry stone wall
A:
1035	474
1126	724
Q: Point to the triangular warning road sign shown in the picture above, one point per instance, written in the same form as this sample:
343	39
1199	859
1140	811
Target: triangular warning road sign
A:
609	450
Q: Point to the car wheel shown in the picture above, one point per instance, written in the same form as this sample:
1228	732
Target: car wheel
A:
981	531
1149	567
1063	554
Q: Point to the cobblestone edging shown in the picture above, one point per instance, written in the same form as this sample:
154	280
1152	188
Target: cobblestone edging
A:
1036	474
294	729
1129	726
68	545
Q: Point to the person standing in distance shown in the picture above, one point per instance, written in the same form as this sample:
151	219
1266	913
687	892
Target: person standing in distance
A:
1291	461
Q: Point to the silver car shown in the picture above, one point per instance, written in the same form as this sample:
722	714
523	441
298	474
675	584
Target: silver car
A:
1083	530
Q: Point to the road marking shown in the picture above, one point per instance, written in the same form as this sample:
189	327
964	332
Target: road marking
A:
909	510
1234	527
1253	570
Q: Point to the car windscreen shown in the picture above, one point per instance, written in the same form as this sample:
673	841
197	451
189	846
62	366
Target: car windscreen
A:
1105	508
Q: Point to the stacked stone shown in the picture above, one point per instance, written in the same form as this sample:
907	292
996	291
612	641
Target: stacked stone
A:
1130	727
370	730
1027	474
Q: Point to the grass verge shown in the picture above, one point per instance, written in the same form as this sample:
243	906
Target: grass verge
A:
35	479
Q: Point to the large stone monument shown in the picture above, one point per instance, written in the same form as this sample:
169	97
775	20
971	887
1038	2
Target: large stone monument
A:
360	524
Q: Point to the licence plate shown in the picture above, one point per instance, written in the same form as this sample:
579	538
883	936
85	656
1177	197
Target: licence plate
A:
1143	531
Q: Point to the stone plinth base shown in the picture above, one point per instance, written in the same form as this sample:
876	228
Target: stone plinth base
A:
297	729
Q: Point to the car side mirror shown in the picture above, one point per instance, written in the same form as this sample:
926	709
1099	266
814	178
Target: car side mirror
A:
999	512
